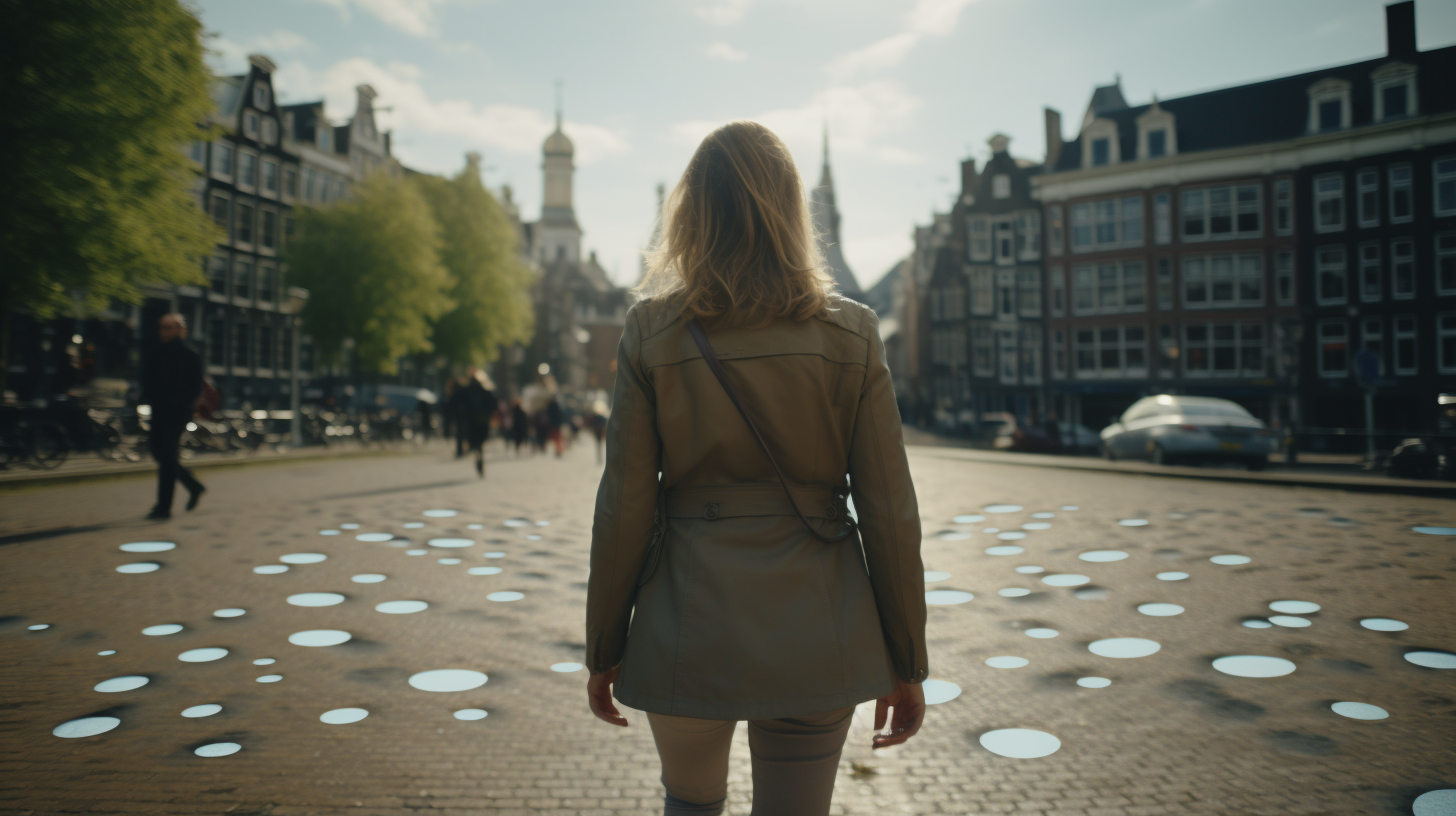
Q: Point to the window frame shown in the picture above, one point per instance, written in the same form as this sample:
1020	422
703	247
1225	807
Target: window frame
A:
1197	203
1367	188
978	238
1057	285
1202	269
1396	188
1056	228
1445	328
1162	218
1366	262
1405	329
249	160
243	279
1284	206
1319	197
1438	178
1443	264
1285	272
1320	345
1406	259
1320	270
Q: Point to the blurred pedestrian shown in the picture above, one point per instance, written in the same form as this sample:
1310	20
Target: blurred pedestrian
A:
454	407
695	503
597	421
171	384
553	424
477	408
423	409
520	424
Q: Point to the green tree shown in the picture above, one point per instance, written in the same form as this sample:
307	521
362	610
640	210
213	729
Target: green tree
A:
100	99
490	285
372	268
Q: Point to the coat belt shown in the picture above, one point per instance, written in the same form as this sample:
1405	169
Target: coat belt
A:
728	501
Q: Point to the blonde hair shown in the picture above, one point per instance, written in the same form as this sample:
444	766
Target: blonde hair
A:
737	245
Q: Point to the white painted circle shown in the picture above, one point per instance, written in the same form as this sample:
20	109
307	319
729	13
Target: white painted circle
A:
1127	647
416	552
316	599
1028	569
1005	549
343	716
932	576
271	569
1359	711
1254	666
36	627
1435	803
441	513
203	655
1065	580
1258	624
1432	660
127	683
368	578
1013	592
484	570
147	546
470	714
204	710
302	558
350	526
448	680
939	691
1003	508
1230	560
1020	743
85	727
1011	535
507	595
218	749
231	612
163	629
1289	621
319	637
565	667
1134	522
1041	633
139	567
947	597
451	542
1093	682
1384	624
1294	607
1172	576
264	661
967	519
401	607
1160	610
1006	662
269	678
1102	556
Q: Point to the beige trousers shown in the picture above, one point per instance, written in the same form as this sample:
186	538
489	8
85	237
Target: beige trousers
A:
794	762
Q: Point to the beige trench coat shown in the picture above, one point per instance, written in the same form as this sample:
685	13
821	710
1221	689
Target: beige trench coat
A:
739	612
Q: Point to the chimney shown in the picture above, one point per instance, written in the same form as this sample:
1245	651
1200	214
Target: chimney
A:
1053	136
970	179
1400	29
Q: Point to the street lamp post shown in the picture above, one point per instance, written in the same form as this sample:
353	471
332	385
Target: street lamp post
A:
297	297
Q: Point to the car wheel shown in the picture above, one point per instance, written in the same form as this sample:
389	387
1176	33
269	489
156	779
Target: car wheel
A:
1107	453
1256	464
1160	456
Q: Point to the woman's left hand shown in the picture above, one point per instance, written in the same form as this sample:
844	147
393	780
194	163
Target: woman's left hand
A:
599	696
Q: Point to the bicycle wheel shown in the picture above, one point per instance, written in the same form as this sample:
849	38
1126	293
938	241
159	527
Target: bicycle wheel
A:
107	442
48	445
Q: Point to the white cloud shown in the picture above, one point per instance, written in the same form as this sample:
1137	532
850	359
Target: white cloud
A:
724	12
929	18
511	129
415	17
281	40
231	55
724	51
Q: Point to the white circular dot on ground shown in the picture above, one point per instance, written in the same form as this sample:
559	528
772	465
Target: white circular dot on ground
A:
1160	610
264	661
1258	623
543	523
1029	569
350	526
1435	803
230	612
330	532
1036	525
218	749
1172	576
413	525
448	561
127	683
1359	711
343	716
269	678
1091	593
139	567
1041	633
316	599
204	710
493	555
1451	531
1006	662
147	546
939	691
271	569
1070	507
508	595
1044	514
302	558
441	513
992	530
1003	508
86	727
484	570
470	714
107	652
203	655
1011	535
932	576
952	535
1126	647
451	542
401	607
36	627
565	667
374	537
947	597
1005	549
533	537
1384	624
448	680
163	629
475	526
1093	682
1013	592
1230	560
967	518
1254	666
1289	621
516	522
319	637
367	578
1432	659
1102	556
1020	743
1133	522
416	552
1065	579
1294	607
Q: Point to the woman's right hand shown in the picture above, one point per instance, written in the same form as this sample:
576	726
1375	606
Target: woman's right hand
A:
908	701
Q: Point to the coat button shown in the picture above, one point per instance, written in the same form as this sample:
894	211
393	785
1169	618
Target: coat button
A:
830	512
711	511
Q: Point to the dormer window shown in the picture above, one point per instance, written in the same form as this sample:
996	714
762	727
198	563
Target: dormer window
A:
1001	186
1157	143
1099	143
1157	136
260	96
250	125
1395	91
1329	106
1101	151
323	137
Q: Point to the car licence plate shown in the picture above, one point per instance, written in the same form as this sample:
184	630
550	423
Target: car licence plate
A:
1231	446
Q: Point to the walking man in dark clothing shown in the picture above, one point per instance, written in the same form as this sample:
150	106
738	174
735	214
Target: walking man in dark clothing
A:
171	384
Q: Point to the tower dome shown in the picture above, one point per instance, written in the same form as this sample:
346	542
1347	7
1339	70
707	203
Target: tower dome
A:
557	144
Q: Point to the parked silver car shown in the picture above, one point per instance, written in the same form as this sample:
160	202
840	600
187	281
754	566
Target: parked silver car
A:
1168	429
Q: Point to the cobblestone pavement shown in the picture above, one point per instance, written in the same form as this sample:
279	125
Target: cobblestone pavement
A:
1171	734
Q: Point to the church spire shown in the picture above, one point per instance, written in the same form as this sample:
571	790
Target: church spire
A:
825	215
558	104
825	179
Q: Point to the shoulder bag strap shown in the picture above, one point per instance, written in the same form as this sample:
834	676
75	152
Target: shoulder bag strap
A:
711	358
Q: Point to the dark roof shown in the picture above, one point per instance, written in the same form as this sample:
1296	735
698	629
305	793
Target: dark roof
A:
881	296
306	116
947	265
1275	109
1002	164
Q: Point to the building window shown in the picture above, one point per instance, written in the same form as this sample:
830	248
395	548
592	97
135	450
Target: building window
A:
216	342
1109	288
290	182
240	345
1059	291
1222	212
1402	206
1157	143
1334	355
268	232
1284	278
1059	354
217	273
247	169
265	347
1162	218
270	130
244	230
1028	292
1329	203
1329	105
1081	227
243	278
308	183
1101	151
1054	230
1001	186
270	176
267	282
1446	342
1028	236
1283	207
1330	275
981	350
1402	269
1370	271
1395	91
250	125
1165	284
1223	280
1223	350
1367	199
1003	241
287	232
1443	187
1372	338
1132	221
1330	114
1446	264
1086	351
323	137
982	291
260	96
980	243
1112	351
222	158
1031	354
1404	335
220	211
1107	224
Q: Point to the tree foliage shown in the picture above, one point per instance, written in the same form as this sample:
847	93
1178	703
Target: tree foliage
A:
372	268
101	97
490	284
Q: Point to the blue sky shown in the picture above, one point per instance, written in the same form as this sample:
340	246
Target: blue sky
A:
908	88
